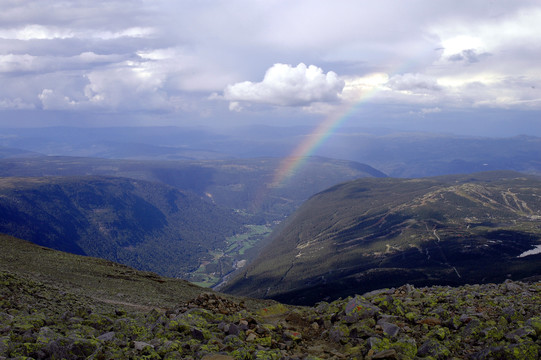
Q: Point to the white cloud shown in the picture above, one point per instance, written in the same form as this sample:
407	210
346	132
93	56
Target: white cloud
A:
51	100
284	85
132	86
14	63
235	106
40	32
15	104
360	87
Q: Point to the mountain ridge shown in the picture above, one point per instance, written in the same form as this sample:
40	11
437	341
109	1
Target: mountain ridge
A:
366	233
233	183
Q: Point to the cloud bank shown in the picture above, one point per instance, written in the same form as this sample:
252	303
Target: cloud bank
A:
122	56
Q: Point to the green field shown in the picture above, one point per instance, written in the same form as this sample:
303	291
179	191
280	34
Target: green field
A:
224	261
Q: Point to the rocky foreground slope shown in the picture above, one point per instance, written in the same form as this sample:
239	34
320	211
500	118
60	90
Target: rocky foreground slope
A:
492	321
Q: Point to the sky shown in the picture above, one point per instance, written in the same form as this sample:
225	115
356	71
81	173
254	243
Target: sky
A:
468	67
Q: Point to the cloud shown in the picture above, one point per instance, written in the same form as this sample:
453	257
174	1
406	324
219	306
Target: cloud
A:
25	63
235	106
39	32
425	111
413	83
468	56
15	104
284	85
51	100
132	86
140	55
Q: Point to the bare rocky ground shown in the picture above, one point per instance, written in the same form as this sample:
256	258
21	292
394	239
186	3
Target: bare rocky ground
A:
492	321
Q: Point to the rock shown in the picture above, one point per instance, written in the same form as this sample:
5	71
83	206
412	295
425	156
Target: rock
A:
233	329
358	309
6	318
292	335
217	357
453	323
4	344
535	323
141	345
430	321
385	354
197	334
243	324
339	333
389	329
511	314
524	351
522	332
268	355
465	318
251	337
59	348
83	348
46	335
108	336
433	348
510	286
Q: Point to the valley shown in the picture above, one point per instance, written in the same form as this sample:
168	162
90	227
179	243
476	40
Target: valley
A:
221	263
196	220
126	206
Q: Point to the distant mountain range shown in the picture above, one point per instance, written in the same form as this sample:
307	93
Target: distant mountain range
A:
242	184
397	154
371	233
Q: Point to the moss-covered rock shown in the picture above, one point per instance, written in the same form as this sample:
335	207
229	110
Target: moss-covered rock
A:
358	308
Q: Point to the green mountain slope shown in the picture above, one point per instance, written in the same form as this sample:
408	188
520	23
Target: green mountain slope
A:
146	225
373	233
93	278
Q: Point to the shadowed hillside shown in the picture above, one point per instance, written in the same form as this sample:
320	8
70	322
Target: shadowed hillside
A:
146	225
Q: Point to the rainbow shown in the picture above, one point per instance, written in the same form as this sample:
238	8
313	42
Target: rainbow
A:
290	165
